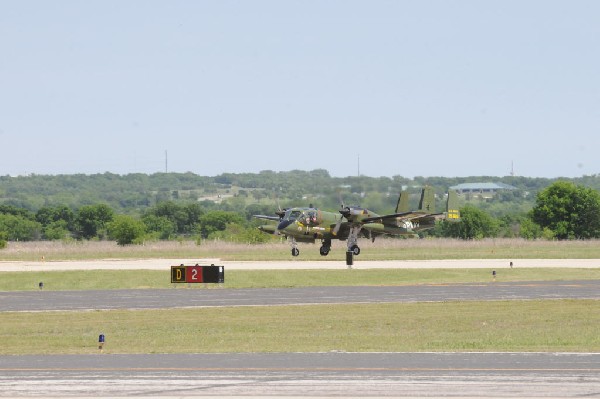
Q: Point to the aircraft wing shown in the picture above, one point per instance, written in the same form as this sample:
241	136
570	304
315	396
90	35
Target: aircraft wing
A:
275	218
413	215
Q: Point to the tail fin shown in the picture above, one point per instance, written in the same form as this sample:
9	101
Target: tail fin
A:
427	202
452	212
402	205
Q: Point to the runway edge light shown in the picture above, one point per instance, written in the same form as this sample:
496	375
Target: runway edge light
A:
101	342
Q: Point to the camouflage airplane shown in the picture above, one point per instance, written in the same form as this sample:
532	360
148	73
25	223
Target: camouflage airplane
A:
310	224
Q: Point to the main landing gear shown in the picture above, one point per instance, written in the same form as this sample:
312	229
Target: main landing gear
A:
325	248
353	248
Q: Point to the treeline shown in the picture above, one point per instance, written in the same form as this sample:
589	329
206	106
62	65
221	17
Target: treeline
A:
133	193
562	210
166	221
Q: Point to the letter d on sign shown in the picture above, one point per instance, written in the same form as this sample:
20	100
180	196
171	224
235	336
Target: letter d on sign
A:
178	274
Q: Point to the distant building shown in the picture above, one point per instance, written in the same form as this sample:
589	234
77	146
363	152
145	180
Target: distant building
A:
485	190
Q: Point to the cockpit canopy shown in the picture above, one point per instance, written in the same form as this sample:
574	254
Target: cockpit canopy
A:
306	216
292	214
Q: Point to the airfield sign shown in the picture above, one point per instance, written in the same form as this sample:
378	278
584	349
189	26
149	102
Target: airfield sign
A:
197	274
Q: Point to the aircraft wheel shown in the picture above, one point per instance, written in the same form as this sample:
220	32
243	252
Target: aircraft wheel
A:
295	252
355	250
324	251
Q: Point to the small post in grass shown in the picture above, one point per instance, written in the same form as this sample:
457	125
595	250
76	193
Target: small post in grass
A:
101	342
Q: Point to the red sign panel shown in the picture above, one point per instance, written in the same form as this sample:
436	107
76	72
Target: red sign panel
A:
193	274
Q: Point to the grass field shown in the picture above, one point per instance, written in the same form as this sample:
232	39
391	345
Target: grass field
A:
564	325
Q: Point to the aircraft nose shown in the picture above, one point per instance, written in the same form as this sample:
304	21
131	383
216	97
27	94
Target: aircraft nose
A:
283	224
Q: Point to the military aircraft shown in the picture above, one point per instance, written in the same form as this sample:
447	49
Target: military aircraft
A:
310	224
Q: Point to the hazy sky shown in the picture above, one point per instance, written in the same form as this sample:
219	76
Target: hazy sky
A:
413	88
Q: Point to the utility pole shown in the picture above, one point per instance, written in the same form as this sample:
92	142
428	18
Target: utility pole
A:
166	162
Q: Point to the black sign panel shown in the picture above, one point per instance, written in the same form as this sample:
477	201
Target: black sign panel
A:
213	274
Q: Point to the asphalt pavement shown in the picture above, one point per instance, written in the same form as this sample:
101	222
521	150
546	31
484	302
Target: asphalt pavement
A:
483	375
46	300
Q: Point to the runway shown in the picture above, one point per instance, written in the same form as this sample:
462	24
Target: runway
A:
305	374
215	297
335	374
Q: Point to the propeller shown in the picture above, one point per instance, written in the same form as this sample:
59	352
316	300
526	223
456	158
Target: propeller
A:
351	214
338	224
281	213
347	213
336	229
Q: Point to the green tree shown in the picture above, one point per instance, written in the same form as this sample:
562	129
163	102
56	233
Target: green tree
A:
214	221
193	212
47	215
91	220
568	210
184	217
57	222
16	211
126	229
160	226
3	239
474	224
56	230
530	230
170	211
19	228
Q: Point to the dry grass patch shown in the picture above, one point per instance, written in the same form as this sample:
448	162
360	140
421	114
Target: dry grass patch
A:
381	249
